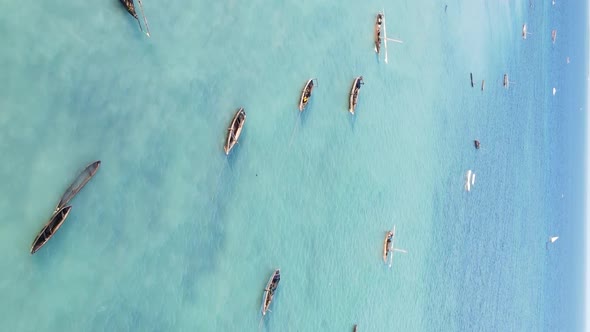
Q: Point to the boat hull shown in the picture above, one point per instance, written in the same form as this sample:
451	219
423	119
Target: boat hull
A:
354	94
378	23
47	232
235	130
386	245
306	94
269	290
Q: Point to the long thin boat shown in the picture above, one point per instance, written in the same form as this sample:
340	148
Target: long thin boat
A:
387	245
235	130
525	31
506	82
306	94
378	23
269	291
354	94
50	228
553	35
131	10
78	184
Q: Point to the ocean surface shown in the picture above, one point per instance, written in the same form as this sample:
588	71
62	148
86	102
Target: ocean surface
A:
172	235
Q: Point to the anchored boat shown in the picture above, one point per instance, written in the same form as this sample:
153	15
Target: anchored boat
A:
354	94
524	31
553	35
378	23
389	247
131	10
269	291
306	94
50	228
235	130
78	184
381	27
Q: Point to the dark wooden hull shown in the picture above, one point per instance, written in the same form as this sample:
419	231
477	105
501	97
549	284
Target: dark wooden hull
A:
270	289
305	94
386	245
78	184
378	23
235	130
128	4
354	94
50	228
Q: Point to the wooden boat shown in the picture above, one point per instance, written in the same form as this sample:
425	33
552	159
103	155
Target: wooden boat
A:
476	143
553	35
354	328
387	245
306	94
354	94
235	130
378	23
78	184
483	84
131	10
506	82
471	76
269	291
50	228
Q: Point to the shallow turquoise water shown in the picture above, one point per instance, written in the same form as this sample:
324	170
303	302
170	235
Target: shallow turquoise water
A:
171	235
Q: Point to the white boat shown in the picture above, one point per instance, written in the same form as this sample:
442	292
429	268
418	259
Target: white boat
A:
468	180
525	31
553	35
554	91
553	239
473	179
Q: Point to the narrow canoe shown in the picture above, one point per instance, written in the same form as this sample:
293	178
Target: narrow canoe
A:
269	291
378	23
235	130
354	94
50	228
305	94
387	245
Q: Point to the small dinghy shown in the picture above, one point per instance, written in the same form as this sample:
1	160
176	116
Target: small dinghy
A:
235	130
354	94
378	23
269	291
50	228
306	94
553	36
389	246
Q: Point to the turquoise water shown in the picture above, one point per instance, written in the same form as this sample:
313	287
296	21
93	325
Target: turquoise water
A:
172	235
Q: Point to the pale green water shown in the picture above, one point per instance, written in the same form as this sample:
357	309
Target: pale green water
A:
171	235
